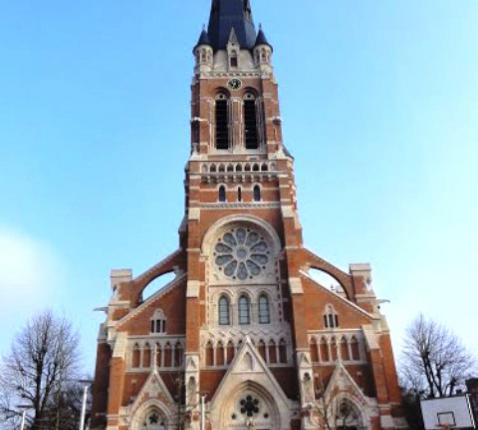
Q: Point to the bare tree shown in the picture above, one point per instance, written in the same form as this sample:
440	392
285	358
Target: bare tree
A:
38	371
434	361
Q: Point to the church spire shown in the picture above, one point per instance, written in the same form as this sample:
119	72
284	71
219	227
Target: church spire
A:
227	15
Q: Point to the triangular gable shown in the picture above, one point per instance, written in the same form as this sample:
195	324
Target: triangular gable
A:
153	388
342	382
339	297
249	361
162	292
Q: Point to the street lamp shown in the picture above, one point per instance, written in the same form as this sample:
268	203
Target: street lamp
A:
87	384
24	414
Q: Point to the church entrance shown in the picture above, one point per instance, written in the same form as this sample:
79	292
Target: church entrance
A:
153	420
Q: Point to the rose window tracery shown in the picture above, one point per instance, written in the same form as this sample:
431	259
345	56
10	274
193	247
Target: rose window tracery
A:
249	406
241	253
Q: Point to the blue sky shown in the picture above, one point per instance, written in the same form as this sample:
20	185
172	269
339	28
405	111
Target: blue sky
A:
379	104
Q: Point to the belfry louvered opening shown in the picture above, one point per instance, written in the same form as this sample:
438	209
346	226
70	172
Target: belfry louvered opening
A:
250	122
222	122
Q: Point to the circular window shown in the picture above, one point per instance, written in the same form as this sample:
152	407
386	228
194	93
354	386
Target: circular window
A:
241	253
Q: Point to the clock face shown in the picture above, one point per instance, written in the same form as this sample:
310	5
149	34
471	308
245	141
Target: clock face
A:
234	84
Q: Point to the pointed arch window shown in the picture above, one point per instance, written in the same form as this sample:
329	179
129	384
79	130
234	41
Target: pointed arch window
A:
331	319
136	356
158	322
239	194
251	134
264	310
222	121
147	356
257	193
224	315
222	193
244	310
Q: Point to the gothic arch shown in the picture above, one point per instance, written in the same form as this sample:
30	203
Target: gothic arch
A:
313	261
152	406
267	406
241	219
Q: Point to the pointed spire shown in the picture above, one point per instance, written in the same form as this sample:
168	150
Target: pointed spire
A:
228	14
262	39
203	39
233	37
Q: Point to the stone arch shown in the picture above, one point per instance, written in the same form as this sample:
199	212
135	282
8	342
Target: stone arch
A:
153	406
313	261
234	219
347	413
266	405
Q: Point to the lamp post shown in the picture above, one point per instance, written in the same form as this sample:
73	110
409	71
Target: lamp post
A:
203	412
87	384
24	414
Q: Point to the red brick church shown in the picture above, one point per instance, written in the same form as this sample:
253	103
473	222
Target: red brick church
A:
243	337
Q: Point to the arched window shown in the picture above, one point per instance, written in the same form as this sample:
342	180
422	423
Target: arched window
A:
344	349
233	59
244	310
262	349
220	354
250	122
222	193
333	348
264	310
178	355
257	193
159	355
209	354
224	317
168	355
324	350
136	356
239	194
222	122
272	352
354	346
147	356
314	353
158	322
331	319
282	351
231	350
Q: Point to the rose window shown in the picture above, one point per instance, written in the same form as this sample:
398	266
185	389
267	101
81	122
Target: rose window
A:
241	253
249	406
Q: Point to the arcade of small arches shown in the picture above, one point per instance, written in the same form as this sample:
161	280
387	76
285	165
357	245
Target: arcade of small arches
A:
240	167
161	354
219	354
327	348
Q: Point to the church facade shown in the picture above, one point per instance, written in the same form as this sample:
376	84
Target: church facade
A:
243	337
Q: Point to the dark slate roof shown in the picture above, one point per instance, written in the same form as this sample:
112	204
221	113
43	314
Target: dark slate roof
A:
203	39
262	39
228	14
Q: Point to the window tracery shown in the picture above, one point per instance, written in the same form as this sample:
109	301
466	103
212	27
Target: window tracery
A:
241	253
224	315
264	310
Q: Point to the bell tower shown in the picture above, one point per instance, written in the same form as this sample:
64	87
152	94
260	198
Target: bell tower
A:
243	336
240	189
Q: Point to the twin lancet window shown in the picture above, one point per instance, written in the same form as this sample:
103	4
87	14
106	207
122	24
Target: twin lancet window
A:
244	310
223	123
